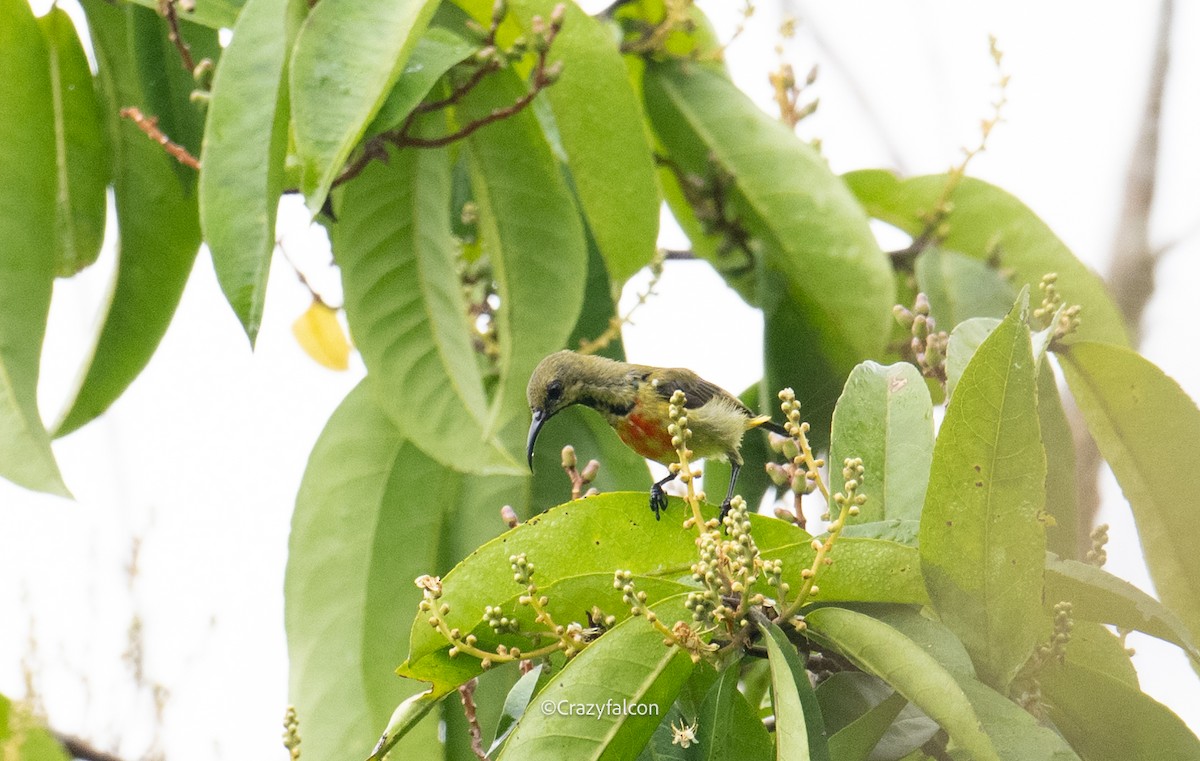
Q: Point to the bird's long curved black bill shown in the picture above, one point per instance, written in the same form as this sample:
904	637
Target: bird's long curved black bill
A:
535	427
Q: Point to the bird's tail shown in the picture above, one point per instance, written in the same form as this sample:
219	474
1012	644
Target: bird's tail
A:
764	421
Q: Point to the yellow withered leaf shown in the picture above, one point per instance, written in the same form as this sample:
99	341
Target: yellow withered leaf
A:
320	335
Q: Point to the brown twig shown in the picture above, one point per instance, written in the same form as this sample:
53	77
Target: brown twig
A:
467	694
149	125
78	748
166	9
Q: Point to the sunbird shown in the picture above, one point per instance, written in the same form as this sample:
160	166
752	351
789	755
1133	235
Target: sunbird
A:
635	400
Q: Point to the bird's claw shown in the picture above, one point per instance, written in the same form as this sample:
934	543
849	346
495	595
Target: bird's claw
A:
658	501
721	517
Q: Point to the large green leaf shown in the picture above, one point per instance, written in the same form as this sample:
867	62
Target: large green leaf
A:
628	666
406	309
825	276
965	340
987	221
726	726
799	728
348	56
1106	719
245	144
960	287
879	649
159	230
600	122
869	718
28	244
1148	430
80	150
576	547
885	416
535	239
349	592
1096	595
982	542
23	736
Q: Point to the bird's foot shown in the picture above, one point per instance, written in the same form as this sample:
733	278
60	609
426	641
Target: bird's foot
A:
658	501
721	517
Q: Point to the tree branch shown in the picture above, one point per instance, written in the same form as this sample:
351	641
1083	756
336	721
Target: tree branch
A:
149	125
78	748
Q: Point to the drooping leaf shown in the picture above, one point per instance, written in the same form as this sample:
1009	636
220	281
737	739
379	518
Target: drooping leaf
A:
406	310
821	274
1147	428
158	223
856	704
349	590
879	649
726	726
80	150
532	231
243	153
348	56
599	121
1096	595
28	245
960	287
1015	733
435	53
885	417
517	702
1062	534
1106	719
800	732
628	666
982	542
965	339
988	222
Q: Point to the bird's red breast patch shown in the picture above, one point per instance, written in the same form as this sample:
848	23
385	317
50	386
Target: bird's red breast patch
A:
647	436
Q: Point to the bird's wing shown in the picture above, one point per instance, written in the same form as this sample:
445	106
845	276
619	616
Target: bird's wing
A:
698	391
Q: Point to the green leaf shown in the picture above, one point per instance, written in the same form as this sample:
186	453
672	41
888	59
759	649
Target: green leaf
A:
822	274
985	222
1015	733
600	124
81	153
516	703
1106	719
28	246
885	416
1062	536
726	726
965	340
165	85
435	53
159	230
245	145
879	649
1148	429
406	716
1095	647
1096	595
628	666
864	570
869	718
982	542
960	287
406	310
799	729
532	231
349	593
348	56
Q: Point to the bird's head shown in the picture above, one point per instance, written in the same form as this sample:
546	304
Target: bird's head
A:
560	380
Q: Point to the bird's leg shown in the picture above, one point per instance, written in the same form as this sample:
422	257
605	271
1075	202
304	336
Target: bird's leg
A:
734	468
658	498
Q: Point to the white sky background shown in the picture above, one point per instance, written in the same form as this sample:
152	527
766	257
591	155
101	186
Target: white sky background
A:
201	458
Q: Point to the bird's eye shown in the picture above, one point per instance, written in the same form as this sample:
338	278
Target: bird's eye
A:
554	390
